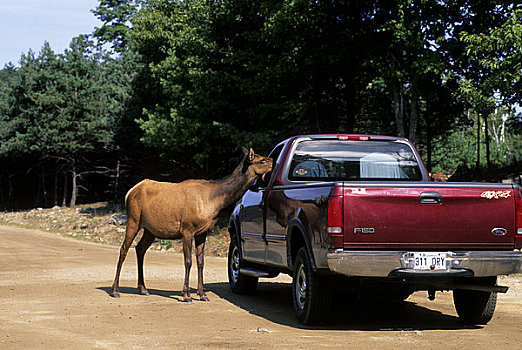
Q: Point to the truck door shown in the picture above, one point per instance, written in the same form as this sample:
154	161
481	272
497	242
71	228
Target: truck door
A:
252	226
253	231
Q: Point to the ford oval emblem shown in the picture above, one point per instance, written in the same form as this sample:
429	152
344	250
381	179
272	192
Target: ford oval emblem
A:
499	231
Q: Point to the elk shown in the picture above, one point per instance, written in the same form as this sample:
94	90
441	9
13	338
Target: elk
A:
186	210
440	176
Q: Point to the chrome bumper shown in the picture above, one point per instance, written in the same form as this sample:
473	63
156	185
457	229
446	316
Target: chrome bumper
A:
390	263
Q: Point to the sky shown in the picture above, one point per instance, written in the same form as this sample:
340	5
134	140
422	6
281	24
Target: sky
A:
27	24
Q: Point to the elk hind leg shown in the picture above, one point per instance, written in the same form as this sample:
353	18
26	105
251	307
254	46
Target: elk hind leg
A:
142	246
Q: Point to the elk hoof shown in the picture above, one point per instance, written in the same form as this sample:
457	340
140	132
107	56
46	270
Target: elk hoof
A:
187	300
204	298
144	291
115	294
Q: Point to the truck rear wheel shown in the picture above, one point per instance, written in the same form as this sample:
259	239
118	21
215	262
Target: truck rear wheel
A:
240	284
475	307
311	292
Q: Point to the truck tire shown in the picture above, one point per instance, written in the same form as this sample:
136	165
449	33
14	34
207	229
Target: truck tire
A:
311	292
239	284
397	295
474	307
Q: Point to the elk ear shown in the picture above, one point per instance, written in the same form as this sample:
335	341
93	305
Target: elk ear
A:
251	155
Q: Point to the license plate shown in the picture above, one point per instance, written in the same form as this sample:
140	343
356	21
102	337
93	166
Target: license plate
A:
429	261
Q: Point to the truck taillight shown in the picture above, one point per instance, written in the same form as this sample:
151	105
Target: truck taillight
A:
335	218
518	208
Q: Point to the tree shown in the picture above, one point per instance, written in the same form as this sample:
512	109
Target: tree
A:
496	78
64	111
116	17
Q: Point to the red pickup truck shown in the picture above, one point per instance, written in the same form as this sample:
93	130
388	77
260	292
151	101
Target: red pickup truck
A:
359	212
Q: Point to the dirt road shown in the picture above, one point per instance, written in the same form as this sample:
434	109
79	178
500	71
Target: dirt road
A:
54	294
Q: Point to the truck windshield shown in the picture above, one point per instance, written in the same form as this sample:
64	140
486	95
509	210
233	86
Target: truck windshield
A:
354	160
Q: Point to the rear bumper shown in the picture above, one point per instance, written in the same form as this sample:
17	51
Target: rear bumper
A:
399	263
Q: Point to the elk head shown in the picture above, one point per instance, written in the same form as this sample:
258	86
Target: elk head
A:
440	176
260	165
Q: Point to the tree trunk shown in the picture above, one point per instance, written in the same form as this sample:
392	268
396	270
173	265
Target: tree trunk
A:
44	189
65	190
2	206
317	120
428	143
10	191
495	135
55	194
74	185
478	141
116	181
38	191
414	117
486	134
398	109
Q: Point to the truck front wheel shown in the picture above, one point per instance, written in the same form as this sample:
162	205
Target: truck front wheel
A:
240	284
475	307
311	292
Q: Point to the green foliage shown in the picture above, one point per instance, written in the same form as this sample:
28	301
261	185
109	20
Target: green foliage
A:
196	80
63	110
60	106
115	15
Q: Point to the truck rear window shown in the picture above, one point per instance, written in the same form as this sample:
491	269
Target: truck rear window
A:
327	160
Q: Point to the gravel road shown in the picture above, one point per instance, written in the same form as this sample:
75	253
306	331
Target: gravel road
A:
54	294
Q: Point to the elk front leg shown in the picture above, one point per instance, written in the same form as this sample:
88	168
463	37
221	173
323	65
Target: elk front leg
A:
187	253
200	257
130	233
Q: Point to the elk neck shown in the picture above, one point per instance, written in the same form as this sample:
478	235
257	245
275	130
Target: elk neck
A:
230	188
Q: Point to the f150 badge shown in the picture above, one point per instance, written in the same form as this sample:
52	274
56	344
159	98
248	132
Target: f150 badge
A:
496	194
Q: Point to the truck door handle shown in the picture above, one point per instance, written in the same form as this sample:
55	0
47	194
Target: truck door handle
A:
430	198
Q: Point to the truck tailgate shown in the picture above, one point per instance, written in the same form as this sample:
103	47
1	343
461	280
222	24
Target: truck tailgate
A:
429	216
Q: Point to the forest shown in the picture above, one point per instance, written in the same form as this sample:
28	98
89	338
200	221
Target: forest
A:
171	90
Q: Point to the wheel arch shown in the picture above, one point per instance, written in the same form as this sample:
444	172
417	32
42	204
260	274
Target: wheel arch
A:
233	229
298	237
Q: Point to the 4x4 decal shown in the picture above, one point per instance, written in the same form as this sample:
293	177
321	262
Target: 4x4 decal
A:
496	194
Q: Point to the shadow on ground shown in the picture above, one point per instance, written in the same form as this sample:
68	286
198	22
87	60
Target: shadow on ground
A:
175	295
273	301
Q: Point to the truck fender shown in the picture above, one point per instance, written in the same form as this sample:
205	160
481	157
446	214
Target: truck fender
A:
233	225
297	235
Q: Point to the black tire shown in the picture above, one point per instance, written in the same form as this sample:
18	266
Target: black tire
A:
311	293
397	295
475	307
239	284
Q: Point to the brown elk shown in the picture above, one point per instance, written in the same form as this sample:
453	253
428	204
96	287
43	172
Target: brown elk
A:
186	210
440	176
